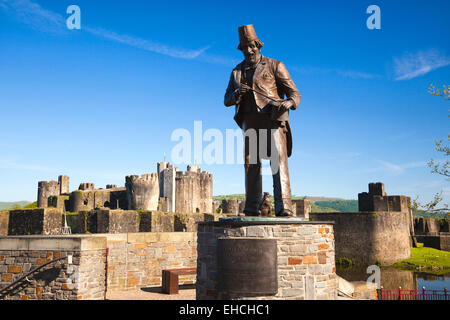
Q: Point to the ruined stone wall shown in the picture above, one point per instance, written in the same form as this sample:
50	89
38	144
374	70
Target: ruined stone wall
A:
45	221
305	253
143	192
46	189
370	237
82	279
60	202
118	198
430	226
86	186
92	199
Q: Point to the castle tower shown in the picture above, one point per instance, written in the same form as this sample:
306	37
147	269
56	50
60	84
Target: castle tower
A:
142	192
46	189
230	206
166	175
63	184
206	192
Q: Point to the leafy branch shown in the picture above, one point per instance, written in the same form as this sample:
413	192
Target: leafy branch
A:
445	92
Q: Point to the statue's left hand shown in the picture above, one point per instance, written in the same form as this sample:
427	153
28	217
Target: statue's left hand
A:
286	105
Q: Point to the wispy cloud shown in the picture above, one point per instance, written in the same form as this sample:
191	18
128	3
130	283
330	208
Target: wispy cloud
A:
392	168
34	15
346	73
412	65
7	164
146	44
328	156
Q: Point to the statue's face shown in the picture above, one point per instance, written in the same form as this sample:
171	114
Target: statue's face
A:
251	52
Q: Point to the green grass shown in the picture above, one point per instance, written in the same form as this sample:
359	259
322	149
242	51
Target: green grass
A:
31	205
427	260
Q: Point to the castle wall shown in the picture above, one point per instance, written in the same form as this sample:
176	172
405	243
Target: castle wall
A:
370	237
90	199
45	221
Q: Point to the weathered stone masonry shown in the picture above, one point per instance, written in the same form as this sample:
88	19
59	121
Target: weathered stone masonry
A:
137	260
83	279
306	265
99	262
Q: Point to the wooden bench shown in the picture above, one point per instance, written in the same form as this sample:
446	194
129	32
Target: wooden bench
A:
170	279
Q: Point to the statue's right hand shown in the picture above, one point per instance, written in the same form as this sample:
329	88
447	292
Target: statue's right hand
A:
243	89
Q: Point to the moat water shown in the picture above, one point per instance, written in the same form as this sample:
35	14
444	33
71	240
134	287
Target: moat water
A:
392	278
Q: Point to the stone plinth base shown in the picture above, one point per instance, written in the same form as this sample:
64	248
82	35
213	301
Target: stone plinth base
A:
305	257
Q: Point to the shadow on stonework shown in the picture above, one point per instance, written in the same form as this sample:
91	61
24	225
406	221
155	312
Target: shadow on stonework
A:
47	275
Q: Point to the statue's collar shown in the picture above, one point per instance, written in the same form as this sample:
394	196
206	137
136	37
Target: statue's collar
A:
245	66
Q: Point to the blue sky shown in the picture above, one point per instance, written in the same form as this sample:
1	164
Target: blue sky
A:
102	102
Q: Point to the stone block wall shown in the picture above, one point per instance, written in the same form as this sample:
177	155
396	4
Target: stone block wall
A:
370	237
156	221
82	279
440	242
45	221
100	262
305	253
188	222
117	221
137	260
4	223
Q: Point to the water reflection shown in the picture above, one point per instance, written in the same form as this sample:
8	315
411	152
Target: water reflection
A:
392	278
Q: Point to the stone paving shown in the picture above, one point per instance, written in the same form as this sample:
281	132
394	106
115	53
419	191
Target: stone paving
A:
153	293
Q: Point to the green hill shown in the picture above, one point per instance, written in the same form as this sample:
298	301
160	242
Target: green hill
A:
318	204
13	205
339	205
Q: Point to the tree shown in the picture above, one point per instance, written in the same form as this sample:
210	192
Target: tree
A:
445	92
439	167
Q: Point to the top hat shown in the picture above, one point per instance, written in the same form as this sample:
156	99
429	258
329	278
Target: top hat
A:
247	34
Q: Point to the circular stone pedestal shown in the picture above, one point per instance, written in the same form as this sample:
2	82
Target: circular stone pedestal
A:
298	262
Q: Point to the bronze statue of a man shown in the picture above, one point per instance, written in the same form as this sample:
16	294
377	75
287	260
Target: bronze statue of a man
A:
258	86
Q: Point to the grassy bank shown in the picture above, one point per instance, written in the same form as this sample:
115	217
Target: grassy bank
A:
426	260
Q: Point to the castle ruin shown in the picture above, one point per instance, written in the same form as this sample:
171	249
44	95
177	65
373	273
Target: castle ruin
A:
167	190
